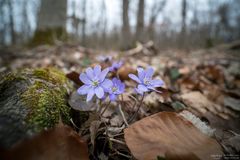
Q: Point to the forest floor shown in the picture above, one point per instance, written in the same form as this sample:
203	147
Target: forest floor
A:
201	85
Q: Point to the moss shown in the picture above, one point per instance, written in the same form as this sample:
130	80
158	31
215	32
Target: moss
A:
51	75
48	36
46	99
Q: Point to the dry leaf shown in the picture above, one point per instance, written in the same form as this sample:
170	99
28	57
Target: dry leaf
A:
200	103
60	143
74	76
167	134
78	102
124	71
93	131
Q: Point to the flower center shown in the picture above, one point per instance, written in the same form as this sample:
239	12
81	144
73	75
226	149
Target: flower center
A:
95	83
114	89
146	81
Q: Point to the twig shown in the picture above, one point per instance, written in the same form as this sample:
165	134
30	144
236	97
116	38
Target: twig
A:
117	141
121	154
122	114
74	124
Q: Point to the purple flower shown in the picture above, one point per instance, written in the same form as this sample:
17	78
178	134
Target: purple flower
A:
117	88
145	81
115	66
95	82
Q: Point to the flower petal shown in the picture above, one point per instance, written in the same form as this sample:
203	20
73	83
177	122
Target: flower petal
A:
134	77
141	73
142	88
149	72
89	72
83	89
157	83
97	70
103	74
90	94
99	92
112	97
106	84
84	78
138	91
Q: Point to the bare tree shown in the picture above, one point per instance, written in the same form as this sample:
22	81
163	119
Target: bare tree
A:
183	28
84	19
155	10
139	35
126	34
51	22
2	22
11	21
25	26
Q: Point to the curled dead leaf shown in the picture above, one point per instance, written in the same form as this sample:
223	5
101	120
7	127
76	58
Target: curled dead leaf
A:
167	134
79	103
124	71
59	143
74	76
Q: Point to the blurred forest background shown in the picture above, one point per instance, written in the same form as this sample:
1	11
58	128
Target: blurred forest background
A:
119	24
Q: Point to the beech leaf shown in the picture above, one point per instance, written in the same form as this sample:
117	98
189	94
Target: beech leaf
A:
59	143
167	134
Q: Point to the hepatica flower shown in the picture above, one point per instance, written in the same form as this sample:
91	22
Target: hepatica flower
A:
117	88
115	66
145	81
95	82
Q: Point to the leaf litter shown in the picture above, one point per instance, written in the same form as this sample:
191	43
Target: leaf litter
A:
204	84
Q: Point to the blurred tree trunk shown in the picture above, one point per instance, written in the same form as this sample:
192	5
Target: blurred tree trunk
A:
126	34
51	22
183	29
2	23
84	22
140	22
11	21
155	10
25	26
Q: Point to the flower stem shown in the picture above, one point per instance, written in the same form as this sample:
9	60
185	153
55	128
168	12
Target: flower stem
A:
105	108
135	114
122	114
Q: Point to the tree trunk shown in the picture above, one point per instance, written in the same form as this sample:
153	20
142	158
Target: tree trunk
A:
183	29
11	21
140	22
155	10
126	34
84	22
51	23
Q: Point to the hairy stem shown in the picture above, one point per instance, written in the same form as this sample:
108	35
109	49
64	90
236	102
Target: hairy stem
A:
105	108
135	114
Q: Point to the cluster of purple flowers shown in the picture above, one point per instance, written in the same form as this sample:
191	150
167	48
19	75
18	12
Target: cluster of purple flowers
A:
96	83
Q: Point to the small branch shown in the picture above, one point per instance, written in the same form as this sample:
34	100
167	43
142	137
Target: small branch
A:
122	114
117	141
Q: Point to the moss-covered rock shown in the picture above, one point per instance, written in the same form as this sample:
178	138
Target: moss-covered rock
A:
30	101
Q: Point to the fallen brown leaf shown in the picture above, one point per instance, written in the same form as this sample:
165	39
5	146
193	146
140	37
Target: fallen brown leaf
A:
167	134
124	71
60	143
201	104
74	76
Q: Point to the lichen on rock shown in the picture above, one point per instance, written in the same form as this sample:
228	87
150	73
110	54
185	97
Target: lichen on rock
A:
32	100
